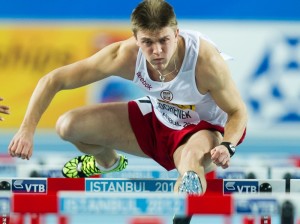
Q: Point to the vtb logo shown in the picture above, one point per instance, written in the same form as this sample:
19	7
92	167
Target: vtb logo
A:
29	186
240	187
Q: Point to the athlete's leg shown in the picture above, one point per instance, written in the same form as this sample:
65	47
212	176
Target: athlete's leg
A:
192	160
98	130
194	155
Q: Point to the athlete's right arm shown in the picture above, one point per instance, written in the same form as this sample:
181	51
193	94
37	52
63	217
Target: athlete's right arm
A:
111	60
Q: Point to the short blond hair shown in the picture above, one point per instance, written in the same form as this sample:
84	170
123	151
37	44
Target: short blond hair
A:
153	15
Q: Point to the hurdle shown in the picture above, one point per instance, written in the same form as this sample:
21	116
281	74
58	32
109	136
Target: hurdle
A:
153	203
59	195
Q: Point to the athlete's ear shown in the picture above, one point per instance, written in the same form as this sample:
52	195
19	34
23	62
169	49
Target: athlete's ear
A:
133	34
177	33
135	37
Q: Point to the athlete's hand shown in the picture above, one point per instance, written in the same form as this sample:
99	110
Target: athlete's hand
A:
21	145
220	156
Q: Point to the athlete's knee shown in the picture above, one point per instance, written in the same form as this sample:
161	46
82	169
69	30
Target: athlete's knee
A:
207	139
66	126
192	154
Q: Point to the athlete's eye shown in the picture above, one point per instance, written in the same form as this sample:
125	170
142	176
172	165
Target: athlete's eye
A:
147	42
164	40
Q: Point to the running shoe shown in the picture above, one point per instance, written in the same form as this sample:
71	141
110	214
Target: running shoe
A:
85	166
190	183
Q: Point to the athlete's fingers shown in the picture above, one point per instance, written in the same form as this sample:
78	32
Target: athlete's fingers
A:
19	150
226	165
223	158
215	155
23	151
29	155
12	148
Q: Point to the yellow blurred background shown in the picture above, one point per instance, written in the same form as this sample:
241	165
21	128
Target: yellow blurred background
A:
28	52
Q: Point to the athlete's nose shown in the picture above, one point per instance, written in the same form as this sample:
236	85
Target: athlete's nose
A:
157	48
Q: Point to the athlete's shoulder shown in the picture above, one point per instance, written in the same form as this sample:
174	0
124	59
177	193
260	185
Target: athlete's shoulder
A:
125	47
127	53
129	44
210	66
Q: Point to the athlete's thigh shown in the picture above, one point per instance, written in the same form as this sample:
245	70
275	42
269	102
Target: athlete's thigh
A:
198	146
108	125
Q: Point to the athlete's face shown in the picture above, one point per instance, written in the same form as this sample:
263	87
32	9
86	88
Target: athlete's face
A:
158	46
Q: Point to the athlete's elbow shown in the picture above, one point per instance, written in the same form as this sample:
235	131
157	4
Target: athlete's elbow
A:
52	81
242	114
239	113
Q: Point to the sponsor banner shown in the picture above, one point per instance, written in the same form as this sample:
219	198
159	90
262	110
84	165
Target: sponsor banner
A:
5	205
247	186
8	170
243	172
238	186
285	172
257	206
267	204
295	186
35	185
51	173
158	204
142	172
42	48
129	185
237	174
40	170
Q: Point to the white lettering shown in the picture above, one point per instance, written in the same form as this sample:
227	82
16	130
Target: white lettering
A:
35	187
108	206
246	189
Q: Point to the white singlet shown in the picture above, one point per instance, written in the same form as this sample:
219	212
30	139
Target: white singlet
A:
178	103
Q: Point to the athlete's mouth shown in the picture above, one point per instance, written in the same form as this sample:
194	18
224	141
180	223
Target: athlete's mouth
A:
158	61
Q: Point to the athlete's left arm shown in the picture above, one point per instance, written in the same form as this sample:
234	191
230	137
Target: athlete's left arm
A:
213	76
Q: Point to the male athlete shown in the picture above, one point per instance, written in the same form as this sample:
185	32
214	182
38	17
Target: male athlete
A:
191	120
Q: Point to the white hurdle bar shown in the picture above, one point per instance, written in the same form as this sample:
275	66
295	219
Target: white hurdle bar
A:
133	197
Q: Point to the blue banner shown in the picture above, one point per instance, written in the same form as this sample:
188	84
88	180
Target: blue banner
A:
129	185
236	186
5	204
258	206
37	186
118	9
157	204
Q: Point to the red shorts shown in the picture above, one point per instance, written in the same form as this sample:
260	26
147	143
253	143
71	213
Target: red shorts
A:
157	140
